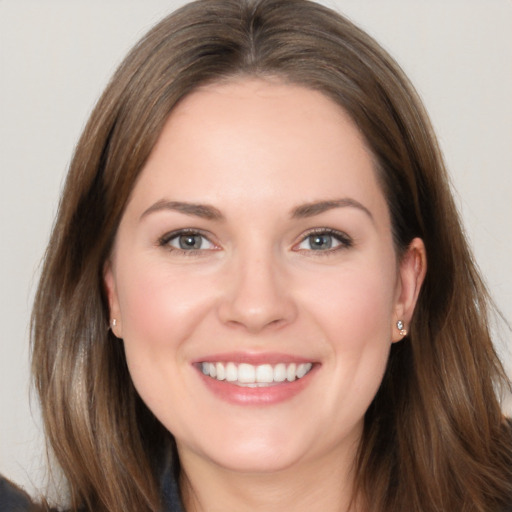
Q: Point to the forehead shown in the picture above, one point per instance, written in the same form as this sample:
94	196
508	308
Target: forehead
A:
270	111
259	141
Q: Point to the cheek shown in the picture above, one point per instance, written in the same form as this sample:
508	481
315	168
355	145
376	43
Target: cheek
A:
158	315
152	297
354	311
355	305
159	308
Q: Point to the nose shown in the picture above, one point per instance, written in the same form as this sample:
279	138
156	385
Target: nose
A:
258	296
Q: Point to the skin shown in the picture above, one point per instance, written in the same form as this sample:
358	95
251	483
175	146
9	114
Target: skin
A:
255	151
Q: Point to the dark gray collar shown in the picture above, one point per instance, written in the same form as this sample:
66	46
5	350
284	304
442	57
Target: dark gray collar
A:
171	499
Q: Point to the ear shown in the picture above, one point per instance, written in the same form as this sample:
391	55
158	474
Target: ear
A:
412	270
113	302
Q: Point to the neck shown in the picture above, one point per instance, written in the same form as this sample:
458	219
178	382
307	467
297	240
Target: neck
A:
317	486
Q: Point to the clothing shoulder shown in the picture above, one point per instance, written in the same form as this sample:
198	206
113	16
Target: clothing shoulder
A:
13	499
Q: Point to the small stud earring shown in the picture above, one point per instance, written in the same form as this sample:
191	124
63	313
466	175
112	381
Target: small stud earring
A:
401	328
113	323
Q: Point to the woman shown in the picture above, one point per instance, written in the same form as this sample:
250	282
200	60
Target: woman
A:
257	294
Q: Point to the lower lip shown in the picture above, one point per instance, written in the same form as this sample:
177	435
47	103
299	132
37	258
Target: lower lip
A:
268	395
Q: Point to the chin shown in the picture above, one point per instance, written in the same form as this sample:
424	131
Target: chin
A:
259	450
261	460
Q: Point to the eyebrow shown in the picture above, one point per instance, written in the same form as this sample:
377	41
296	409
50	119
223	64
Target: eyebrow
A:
318	207
203	211
209	212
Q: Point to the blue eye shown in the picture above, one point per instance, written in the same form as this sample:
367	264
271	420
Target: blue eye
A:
187	241
320	242
324	240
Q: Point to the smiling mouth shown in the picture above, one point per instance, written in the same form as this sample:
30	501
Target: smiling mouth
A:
248	375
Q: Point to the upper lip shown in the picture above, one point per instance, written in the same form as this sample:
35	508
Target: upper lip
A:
253	358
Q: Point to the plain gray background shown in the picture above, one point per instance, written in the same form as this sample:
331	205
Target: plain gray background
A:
56	56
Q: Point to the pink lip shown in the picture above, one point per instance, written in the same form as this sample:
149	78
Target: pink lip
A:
268	395
252	358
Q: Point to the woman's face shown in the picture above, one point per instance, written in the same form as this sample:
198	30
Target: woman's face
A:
254	279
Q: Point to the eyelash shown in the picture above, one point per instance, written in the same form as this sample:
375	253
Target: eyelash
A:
165	240
345	242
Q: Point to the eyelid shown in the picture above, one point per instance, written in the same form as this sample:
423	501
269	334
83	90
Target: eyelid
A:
164	240
345	241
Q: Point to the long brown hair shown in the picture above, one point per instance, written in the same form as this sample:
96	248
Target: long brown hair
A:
434	437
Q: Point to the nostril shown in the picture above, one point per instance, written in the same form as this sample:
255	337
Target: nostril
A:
256	319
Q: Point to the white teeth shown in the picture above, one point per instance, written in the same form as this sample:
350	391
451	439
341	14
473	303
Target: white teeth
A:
303	369
231	372
219	370
264	373
248	374
280	372
291	372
